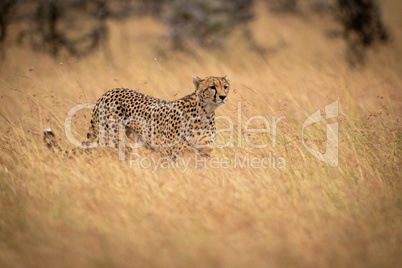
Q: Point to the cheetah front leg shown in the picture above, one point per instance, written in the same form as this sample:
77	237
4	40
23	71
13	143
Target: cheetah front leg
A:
206	151
203	145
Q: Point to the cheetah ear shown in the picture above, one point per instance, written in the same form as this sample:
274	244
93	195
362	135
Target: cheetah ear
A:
196	81
226	78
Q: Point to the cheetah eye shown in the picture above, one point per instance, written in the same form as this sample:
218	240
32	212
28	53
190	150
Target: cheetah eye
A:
212	87
226	87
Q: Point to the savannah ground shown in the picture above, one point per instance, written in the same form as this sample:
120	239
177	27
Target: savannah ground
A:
93	210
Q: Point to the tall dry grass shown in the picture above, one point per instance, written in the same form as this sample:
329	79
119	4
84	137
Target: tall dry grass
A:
92	210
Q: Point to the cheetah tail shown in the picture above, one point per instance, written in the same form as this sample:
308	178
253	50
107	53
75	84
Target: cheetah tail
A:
50	141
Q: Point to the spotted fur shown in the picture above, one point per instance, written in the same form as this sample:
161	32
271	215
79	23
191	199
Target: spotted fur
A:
169	126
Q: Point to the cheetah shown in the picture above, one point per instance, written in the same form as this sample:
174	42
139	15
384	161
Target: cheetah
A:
171	127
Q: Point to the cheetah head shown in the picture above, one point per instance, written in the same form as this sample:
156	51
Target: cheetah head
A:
212	91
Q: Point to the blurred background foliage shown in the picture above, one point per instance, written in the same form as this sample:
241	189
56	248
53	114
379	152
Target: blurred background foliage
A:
79	27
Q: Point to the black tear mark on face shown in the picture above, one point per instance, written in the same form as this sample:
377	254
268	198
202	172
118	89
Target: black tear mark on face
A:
216	92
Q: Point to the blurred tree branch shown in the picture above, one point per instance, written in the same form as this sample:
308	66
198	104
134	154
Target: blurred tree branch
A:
79	27
362	27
